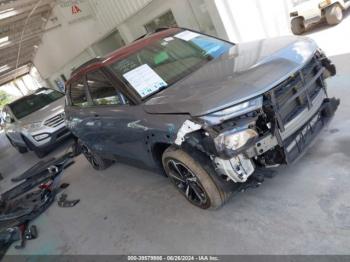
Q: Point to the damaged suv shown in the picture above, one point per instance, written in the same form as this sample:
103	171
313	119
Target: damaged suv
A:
212	114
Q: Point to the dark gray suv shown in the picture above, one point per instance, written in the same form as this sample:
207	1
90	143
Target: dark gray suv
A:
212	114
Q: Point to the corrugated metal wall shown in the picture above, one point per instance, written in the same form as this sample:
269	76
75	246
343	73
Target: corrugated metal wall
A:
111	12
103	17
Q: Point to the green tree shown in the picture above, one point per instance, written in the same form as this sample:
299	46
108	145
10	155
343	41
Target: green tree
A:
5	98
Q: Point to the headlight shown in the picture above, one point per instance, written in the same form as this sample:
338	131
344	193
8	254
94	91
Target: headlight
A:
231	112
34	125
234	139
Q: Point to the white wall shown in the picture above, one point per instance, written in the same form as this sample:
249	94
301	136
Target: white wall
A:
67	44
64	43
249	20
181	9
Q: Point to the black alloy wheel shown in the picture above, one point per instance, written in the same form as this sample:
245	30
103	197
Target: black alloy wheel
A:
90	156
96	161
187	183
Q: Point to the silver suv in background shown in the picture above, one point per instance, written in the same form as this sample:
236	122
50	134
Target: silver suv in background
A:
36	122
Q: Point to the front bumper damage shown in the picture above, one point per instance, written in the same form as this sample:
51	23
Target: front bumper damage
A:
283	147
285	137
297	142
288	148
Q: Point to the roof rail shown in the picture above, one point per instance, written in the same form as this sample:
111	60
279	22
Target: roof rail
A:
89	62
159	29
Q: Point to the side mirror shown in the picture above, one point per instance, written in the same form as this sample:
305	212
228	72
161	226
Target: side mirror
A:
8	120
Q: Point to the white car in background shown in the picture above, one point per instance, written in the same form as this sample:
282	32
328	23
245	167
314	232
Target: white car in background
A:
36	122
309	12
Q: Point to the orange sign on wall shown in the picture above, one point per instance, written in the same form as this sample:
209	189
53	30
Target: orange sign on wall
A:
75	9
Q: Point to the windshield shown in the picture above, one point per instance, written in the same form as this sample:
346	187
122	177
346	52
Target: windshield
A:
29	104
166	61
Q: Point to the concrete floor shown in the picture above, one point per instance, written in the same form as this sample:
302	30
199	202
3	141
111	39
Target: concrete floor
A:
124	210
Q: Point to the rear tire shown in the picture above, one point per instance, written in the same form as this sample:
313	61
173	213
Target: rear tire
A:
298	26
334	14
97	162
192	180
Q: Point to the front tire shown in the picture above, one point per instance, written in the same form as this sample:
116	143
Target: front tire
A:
192	180
97	162
40	153
334	14
298	25
20	149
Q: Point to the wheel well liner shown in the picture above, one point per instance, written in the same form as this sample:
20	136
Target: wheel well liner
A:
157	152
29	145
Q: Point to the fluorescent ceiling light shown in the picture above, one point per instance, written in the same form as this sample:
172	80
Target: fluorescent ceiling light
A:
4	39
4	68
5	43
8	13
7	10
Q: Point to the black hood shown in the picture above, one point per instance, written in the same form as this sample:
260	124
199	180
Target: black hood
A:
248	70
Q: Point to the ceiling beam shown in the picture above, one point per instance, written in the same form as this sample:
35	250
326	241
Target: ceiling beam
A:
35	40
12	57
28	32
20	21
25	39
9	76
24	15
23	59
14	54
14	51
23	4
18	25
13	28
12	68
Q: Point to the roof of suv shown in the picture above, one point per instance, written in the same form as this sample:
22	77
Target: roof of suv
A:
121	53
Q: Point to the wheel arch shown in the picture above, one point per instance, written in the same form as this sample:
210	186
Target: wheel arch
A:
28	144
157	151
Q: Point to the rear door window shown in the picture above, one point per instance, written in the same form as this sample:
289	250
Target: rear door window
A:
102	91
78	93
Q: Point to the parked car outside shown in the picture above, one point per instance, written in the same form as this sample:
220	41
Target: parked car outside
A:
36	122
2	121
313	11
212	114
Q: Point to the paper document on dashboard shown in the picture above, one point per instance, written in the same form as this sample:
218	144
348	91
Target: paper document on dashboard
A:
145	80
